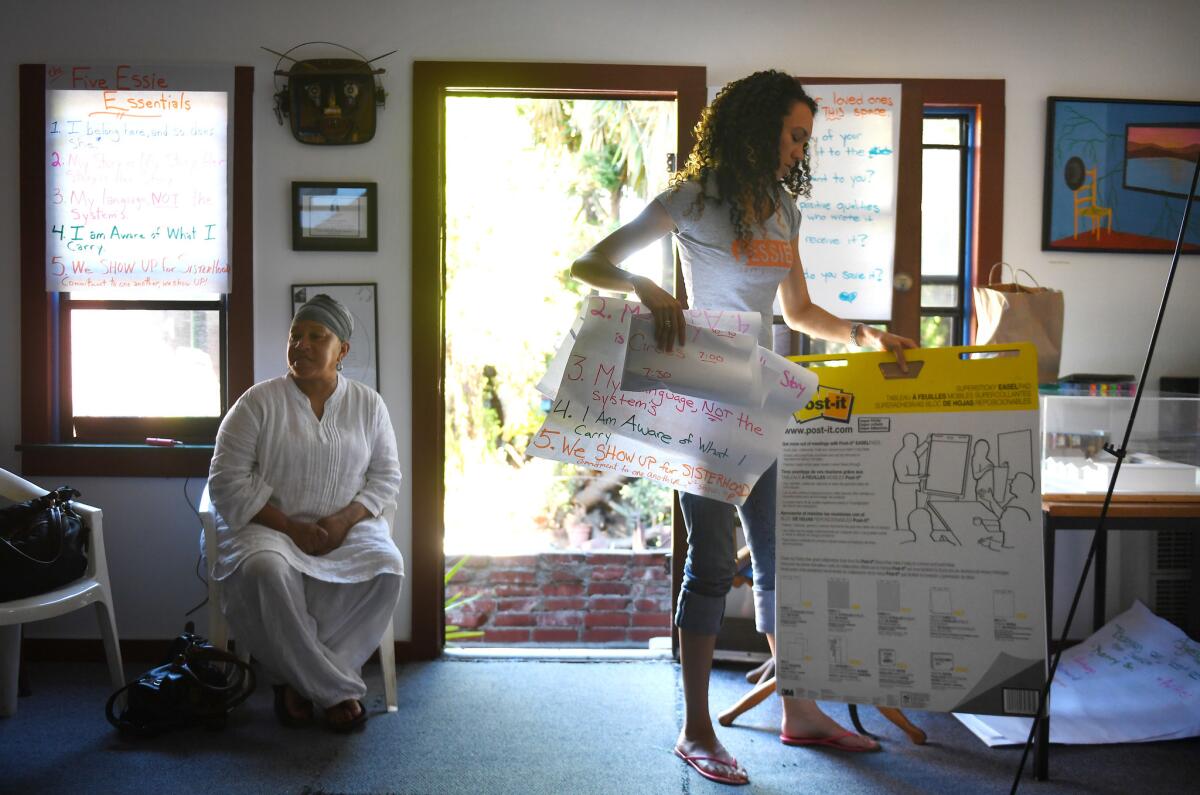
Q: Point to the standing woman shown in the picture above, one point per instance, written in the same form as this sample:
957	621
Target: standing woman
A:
733	212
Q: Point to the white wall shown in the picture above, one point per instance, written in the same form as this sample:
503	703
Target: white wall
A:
1144	49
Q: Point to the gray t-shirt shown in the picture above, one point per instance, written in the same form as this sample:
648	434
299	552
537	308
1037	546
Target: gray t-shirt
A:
718	270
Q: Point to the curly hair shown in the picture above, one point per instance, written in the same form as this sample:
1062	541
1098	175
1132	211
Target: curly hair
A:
737	144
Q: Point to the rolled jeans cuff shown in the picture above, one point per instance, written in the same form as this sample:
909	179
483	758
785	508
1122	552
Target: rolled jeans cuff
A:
699	613
764	611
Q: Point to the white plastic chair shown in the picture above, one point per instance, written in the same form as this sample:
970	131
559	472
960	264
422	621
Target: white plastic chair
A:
218	630
92	589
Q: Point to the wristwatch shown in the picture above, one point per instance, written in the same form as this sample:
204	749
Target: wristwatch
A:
855	330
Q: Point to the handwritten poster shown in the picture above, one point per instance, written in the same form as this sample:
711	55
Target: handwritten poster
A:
848	238
137	181
908	535
666	431
1137	679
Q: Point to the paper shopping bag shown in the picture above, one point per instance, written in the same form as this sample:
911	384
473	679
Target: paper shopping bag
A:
1013	312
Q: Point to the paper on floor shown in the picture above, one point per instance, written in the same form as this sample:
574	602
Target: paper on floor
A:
1135	680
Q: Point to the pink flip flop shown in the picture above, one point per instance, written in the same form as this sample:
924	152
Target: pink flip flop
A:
832	741
717	777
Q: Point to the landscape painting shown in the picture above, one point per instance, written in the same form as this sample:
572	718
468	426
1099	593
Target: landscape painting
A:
1117	172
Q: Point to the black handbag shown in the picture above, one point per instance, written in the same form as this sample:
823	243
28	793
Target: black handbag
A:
197	685
42	545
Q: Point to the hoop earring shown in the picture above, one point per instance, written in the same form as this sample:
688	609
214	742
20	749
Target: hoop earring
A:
339	366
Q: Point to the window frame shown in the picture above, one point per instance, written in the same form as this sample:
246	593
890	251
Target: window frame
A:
985	97
960	313
45	321
119	430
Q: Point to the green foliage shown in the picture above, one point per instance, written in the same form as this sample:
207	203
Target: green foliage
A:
608	140
646	502
514	222
560	491
454	632
605	167
936	331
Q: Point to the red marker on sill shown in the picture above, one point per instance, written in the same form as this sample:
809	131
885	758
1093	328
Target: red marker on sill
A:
160	442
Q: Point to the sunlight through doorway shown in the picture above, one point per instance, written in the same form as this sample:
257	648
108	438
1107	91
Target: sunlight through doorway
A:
531	183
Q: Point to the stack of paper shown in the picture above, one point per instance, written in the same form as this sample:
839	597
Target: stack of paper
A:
1136	680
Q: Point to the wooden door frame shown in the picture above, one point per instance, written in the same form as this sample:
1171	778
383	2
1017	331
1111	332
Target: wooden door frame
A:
432	81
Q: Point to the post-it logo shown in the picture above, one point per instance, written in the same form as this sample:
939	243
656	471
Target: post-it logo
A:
828	403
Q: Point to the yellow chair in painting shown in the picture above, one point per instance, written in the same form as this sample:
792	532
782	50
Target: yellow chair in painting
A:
1087	206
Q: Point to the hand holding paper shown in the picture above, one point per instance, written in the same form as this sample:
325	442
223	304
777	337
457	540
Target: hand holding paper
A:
706	418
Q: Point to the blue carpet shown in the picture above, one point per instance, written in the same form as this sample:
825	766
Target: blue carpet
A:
525	727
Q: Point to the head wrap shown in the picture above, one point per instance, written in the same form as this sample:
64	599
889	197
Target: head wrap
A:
329	313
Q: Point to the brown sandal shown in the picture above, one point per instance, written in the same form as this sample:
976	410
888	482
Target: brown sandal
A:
347	726
285	715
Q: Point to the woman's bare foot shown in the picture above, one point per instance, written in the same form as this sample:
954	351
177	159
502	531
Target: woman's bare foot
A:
710	759
345	716
803	719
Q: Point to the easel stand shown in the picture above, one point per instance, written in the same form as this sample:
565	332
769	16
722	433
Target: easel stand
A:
764	677
1041	724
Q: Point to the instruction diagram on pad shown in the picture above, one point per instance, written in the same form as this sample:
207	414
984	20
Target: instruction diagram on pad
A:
909	534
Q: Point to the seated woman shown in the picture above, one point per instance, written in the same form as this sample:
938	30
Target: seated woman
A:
303	467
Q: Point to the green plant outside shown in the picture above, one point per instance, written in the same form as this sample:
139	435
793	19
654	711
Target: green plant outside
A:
454	632
512	233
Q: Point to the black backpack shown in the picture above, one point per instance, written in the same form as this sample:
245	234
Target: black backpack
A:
197	685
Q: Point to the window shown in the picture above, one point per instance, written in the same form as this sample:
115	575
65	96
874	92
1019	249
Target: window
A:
104	369
136	368
946	193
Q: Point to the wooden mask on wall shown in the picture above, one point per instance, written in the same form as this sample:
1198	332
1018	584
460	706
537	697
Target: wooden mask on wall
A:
330	101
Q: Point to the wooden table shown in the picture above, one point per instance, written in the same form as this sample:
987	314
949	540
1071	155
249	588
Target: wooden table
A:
1082	512
1126	512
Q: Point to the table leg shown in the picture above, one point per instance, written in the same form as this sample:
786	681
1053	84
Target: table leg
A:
1100	573
1041	751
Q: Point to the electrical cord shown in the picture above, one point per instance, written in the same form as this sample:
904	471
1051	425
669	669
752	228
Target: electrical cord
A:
200	555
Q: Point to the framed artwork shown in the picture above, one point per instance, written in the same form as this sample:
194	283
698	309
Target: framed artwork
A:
1117	173
362	362
334	216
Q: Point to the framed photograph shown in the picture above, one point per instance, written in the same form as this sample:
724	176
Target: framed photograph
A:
362	362
334	216
1117	173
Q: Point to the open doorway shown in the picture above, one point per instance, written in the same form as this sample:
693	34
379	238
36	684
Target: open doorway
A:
558	175
543	173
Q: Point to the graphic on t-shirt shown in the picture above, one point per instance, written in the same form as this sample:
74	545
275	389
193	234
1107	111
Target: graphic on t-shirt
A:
763	253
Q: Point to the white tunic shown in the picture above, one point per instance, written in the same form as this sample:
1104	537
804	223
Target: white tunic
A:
272	448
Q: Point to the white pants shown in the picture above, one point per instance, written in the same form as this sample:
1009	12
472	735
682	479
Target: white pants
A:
311	634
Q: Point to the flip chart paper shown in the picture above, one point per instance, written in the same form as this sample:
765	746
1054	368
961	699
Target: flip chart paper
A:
669	433
719	364
848	238
1137	679
136	179
908	569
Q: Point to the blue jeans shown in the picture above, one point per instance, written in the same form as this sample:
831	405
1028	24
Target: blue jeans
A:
709	569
